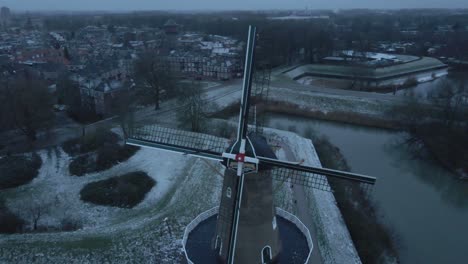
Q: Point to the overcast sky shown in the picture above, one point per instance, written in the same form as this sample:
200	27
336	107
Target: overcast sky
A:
224	4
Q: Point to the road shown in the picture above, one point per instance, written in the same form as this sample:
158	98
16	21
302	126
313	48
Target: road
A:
222	94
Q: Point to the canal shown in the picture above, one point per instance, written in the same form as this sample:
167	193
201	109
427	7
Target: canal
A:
424	89
425	206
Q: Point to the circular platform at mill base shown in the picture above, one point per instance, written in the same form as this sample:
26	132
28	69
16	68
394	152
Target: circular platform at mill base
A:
295	247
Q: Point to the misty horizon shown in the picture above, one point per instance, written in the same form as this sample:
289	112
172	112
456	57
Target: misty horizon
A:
213	5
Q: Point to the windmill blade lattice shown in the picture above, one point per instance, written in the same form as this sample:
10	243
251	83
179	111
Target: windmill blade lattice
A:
317	181
306	179
318	178
185	142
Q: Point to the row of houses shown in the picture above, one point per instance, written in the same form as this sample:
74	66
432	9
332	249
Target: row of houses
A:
99	59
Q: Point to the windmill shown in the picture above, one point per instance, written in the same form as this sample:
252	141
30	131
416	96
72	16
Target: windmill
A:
246	230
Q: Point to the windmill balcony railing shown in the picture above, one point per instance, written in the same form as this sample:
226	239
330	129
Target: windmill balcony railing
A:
304	230
280	212
195	222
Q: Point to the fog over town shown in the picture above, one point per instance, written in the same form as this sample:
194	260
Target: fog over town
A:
213	131
126	5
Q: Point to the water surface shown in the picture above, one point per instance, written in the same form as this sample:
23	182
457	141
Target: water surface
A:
425	205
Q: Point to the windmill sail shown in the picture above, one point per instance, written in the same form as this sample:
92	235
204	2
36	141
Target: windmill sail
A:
246	150
184	142
314	177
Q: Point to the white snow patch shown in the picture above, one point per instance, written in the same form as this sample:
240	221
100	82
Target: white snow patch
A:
334	240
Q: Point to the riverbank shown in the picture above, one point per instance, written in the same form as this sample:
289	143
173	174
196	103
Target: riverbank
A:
279	107
449	147
438	142
335	116
372	239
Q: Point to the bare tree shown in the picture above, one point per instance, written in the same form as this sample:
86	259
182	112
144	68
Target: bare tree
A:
28	104
194	110
36	211
452	99
154	78
34	208
123	105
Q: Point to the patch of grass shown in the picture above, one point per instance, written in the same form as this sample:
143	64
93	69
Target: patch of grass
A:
124	191
111	155
83	164
18	170
88	243
106	157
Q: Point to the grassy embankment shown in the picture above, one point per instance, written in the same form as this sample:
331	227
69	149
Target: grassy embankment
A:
336	116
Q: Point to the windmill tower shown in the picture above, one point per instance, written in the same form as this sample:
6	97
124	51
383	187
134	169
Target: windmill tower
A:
247	229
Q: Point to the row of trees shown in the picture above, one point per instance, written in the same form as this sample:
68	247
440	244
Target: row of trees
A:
447	105
27	104
156	81
440	123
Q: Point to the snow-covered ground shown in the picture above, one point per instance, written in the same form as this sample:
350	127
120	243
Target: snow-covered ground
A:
152	231
59	191
147	233
332	236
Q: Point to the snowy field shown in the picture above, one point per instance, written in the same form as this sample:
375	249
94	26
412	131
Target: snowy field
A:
332	236
152	231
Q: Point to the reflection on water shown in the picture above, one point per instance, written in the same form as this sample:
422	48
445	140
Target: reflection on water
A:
425	205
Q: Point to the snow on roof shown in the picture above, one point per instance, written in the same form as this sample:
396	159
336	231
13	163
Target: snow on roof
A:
170	22
369	55
120	45
220	51
57	36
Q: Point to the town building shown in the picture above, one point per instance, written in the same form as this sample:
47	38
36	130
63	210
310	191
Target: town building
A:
369	70
171	27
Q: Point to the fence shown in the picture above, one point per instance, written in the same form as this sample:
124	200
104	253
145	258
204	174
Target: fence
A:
298	223
280	212
195	222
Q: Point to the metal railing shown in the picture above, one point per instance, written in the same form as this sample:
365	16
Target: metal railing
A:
195	222
304	230
280	212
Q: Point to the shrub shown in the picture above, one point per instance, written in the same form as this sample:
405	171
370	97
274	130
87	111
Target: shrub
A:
82	165
90	142
18	170
410	82
111	155
124	191
106	157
